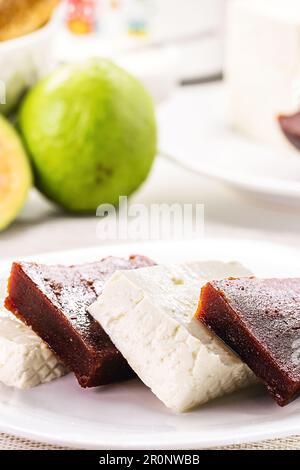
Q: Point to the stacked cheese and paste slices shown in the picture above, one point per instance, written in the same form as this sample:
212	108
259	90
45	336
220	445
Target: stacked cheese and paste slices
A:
148	314
25	360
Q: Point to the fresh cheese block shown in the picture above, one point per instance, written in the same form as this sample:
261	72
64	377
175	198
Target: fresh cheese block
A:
262	66
25	360
149	315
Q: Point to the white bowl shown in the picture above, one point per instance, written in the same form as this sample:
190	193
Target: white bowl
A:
23	61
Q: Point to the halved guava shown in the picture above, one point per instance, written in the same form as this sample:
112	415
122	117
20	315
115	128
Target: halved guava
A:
15	174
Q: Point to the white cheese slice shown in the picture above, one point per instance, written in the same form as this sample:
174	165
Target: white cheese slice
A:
25	360
148	314
262	66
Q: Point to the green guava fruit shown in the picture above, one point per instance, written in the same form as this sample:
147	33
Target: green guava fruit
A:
90	130
15	174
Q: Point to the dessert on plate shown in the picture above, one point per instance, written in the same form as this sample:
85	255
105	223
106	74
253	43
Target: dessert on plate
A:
262	67
148	314
114	319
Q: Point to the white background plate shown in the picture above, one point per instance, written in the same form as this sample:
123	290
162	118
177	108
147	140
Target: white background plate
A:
128	415
195	132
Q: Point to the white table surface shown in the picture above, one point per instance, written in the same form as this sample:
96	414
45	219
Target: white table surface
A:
42	227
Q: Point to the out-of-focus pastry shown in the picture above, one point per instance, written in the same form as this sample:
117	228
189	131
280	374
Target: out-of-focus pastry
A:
20	17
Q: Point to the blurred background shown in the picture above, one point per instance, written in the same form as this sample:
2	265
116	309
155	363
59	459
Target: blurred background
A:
220	73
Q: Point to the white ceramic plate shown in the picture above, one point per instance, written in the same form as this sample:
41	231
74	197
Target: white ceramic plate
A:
128	415
195	133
